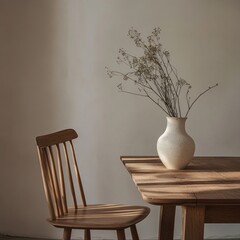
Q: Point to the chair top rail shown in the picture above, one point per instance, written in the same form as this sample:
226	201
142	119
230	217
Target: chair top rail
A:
56	138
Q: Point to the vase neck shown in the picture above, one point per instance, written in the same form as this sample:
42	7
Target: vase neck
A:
176	124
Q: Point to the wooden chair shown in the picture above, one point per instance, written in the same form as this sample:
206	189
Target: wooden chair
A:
62	185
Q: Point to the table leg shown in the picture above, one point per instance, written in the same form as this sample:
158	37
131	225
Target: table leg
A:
193	222
166	222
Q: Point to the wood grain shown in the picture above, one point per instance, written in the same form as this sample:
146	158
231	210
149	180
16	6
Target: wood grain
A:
121	234
61	176
166	222
208	191
101	216
134	232
222	214
87	234
67	233
193	222
207	180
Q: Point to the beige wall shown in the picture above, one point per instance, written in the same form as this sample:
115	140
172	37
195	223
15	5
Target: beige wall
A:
52	73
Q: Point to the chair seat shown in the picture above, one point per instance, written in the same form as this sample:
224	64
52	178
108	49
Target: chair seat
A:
102	216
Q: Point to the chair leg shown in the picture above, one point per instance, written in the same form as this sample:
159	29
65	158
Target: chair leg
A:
121	234
87	234
134	232
67	233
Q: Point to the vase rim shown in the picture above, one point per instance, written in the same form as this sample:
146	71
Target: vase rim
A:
176	117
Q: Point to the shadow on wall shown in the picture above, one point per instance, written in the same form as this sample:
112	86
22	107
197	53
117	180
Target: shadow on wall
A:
31	71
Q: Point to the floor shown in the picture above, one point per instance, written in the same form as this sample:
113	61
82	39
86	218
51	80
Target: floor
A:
25	238
3	237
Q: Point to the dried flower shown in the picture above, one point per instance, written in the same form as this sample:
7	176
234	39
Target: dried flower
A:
154	76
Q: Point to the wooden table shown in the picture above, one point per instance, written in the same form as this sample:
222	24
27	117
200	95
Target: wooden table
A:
208	191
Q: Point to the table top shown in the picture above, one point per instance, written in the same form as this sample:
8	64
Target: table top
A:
206	181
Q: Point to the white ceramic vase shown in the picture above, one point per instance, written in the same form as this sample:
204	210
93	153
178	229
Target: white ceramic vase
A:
175	147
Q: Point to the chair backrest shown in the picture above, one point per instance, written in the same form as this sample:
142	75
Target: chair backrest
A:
60	174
